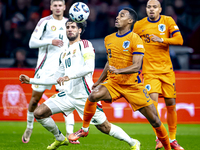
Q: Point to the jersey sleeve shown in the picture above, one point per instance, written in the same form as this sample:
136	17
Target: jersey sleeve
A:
88	54
138	47
135	27
35	40
176	38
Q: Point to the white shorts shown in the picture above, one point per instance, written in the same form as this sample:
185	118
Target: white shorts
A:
63	103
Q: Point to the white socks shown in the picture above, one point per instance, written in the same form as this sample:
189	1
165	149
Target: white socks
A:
85	129
50	125
30	120
69	122
118	133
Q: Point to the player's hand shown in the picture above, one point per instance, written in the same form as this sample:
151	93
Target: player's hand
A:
57	42
24	79
155	38
61	80
95	85
112	69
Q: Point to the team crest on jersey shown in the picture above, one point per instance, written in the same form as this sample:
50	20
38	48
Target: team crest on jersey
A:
64	55
126	44
161	27
36	86
148	87
74	51
53	28
53	96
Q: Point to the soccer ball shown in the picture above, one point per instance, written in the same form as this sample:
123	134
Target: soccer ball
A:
79	12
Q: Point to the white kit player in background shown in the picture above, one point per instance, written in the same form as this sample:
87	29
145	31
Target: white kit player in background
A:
77	63
50	37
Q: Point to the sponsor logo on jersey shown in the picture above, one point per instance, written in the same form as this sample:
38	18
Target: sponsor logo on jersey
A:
126	44
143	30
68	53
162	33
61	28
125	50
161	27
109	44
13	100
148	87
53	28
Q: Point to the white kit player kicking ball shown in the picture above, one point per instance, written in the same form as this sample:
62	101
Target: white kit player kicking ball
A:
49	36
75	74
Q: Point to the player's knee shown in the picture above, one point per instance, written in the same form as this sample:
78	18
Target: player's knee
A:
156	122
38	114
94	96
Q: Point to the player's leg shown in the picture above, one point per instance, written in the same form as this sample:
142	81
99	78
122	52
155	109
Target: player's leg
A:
42	115
69	123
118	133
150	113
35	98
169	93
153	86
98	94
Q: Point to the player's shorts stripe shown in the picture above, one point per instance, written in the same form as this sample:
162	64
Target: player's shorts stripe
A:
86	86
139	80
140	53
99	108
175	31
42	63
85	43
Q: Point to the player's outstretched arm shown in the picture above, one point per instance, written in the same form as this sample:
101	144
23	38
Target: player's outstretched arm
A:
24	79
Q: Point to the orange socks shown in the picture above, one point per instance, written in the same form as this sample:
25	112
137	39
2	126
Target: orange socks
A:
89	111
163	137
172	121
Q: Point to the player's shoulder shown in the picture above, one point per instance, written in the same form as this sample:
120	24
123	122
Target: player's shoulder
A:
86	43
113	35
139	22
164	17
44	20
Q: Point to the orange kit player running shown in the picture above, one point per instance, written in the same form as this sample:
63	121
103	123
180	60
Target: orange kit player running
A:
158	32
125	53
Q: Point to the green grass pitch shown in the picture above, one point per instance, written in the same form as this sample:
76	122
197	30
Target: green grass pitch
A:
188	136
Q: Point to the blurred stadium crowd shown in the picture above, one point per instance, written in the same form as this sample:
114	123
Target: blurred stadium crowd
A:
18	19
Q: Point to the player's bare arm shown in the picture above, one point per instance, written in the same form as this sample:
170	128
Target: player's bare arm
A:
57	42
24	79
135	67
155	38
102	77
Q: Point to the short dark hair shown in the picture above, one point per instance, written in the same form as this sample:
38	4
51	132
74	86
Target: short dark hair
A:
132	13
81	25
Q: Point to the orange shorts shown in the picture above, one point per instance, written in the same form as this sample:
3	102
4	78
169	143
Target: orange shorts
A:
162	83
135	94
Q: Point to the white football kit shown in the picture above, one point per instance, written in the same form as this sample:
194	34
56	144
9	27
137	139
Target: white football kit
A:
46	30
78	63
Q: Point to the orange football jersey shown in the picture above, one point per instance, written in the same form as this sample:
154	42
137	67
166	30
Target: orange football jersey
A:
120	50
157	57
